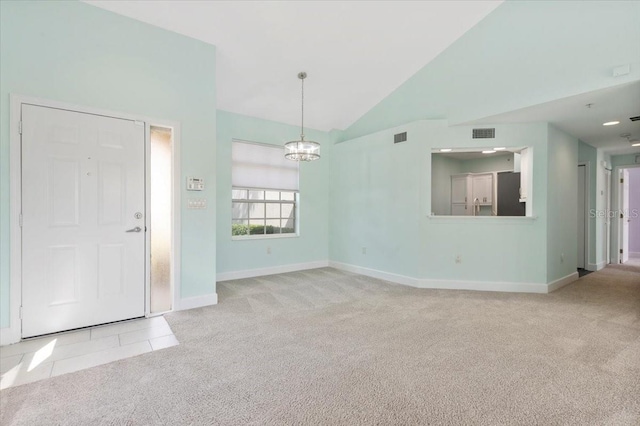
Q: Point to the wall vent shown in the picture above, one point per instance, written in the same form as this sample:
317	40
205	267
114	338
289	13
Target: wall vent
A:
484	133
400	137
636	118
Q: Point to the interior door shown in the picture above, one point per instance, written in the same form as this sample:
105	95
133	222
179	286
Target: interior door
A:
83	206
581	209
624	216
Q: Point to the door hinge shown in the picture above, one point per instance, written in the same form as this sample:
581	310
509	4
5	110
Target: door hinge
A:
621	180
20	127
621	251
20	220
621	216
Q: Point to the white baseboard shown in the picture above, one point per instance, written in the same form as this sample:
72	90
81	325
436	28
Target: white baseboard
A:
374	273
596	266
503	286
561	282
9	336
197	302
250	273
512	287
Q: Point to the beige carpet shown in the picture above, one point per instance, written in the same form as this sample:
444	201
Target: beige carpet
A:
324	347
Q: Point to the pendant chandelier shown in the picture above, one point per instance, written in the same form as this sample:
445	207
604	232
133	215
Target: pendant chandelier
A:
302	150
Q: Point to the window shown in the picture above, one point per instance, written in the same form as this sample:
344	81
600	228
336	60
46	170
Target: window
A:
264	195
263	212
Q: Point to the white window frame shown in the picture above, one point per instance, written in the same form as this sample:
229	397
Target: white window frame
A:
295	202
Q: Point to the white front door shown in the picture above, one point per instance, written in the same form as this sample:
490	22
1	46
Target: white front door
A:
83	189
624	215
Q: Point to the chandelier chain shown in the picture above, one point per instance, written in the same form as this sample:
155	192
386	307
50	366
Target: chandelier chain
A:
302	120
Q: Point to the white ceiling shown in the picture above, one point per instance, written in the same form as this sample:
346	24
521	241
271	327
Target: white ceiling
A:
355	52
617	103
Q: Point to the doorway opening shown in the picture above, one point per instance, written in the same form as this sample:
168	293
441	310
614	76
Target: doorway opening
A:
161	219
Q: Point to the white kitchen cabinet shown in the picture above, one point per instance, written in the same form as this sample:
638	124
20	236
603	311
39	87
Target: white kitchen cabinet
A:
460	210
460	186
466	188
482	189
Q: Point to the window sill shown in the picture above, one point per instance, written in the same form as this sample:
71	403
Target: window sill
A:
262	237
504	218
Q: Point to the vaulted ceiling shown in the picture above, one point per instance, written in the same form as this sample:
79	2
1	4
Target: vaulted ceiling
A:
355	52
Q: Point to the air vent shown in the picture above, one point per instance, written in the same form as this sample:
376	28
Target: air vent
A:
400	137
484	133
636	118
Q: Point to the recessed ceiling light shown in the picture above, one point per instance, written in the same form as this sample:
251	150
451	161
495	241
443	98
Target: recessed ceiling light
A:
610	123
445	150
488	152
499	149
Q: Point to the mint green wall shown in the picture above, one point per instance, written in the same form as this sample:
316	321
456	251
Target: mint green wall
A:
73	52
523	53
312	244
381	199
491	163
376	190
589	155
442	168
624	160
562	201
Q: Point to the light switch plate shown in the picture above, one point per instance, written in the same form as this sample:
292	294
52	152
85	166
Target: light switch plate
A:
197	203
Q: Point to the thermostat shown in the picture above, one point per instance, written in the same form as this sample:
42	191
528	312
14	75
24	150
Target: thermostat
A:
195	184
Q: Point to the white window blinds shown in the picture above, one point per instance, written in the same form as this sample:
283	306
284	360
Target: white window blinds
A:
256	165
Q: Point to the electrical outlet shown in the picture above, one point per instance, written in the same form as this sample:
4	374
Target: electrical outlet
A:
364	250
458	259
268	250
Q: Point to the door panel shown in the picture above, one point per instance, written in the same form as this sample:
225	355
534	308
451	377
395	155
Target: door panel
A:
82	183
624	216
581	209
509	195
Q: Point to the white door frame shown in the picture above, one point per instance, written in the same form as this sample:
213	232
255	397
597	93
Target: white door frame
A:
13	333
587	203
615	232
607	219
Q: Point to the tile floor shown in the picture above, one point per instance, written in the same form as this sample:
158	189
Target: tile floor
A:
62	353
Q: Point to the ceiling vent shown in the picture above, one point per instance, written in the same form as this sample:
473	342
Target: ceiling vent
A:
636	118
484	133
400	137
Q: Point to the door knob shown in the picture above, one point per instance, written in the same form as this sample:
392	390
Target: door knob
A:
136	229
